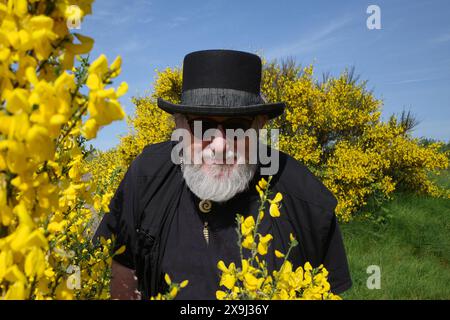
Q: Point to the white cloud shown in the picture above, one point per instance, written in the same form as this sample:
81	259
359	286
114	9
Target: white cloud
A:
413	80
442	38
115	13
323	36
177	21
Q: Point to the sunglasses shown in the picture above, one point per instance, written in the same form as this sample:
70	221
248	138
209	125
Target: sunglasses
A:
231	123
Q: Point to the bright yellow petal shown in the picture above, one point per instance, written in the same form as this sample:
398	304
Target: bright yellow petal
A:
278	254
274	211
122	89
120	250
220	295
262	183
116	63
167	279
278	198
221	266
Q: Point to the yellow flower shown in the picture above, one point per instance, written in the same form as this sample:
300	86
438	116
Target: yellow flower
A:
116	67
20	7
35	263
252	283
40	144
244	266
262	183
114	109
16	291
278	254
122	89
14	274
94	82
18	101
291	237
249	242
38	239
308	266
277	199
228	280
99	66
221	266
167	279
264	244
260	192
49	272
274	210
159	296
90	129
122	250
220	295
86	44
247	226
54	227
173	293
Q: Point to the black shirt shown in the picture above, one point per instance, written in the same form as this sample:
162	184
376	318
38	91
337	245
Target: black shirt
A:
153	184
188	256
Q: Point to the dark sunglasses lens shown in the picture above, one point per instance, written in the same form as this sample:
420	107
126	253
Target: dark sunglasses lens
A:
205	125
236	124
233	124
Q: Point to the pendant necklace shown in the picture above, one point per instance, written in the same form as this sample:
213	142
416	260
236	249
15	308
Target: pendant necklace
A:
204	206
206	232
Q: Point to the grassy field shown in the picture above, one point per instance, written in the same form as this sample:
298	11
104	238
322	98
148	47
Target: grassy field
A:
412	249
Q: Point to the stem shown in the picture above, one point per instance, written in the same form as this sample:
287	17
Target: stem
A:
76	117
239	237
258	218
277	278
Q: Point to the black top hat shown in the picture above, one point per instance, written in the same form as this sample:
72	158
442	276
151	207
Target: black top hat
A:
222	83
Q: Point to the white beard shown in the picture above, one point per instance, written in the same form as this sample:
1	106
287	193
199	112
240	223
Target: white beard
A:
208	185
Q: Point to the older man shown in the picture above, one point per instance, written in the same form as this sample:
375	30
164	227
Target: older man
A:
175	211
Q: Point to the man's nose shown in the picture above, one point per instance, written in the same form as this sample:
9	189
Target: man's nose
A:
219	143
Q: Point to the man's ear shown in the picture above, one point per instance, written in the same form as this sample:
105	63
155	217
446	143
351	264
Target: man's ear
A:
261	120
180	120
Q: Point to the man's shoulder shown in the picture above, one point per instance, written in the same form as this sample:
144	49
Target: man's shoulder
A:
160	148
153	158
299	182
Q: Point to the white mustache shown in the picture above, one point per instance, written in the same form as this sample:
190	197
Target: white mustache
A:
210	156
205	185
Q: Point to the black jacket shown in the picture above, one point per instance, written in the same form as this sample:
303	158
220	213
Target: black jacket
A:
147	198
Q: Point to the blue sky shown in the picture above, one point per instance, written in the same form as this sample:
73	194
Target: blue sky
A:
406	62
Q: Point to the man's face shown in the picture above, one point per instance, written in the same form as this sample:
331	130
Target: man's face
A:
209	136
209	140
217	162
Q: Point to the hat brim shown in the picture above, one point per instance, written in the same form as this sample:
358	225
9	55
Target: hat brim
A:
272	110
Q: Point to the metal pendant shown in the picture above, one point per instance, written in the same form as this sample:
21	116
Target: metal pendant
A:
205	206
206	232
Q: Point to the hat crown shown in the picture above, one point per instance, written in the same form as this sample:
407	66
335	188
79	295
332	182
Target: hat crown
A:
221	82
226	69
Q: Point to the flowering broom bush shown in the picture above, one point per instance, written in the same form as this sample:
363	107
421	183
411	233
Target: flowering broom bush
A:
251	280
49	107
172	289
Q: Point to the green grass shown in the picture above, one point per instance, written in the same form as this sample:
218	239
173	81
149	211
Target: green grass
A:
412	248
